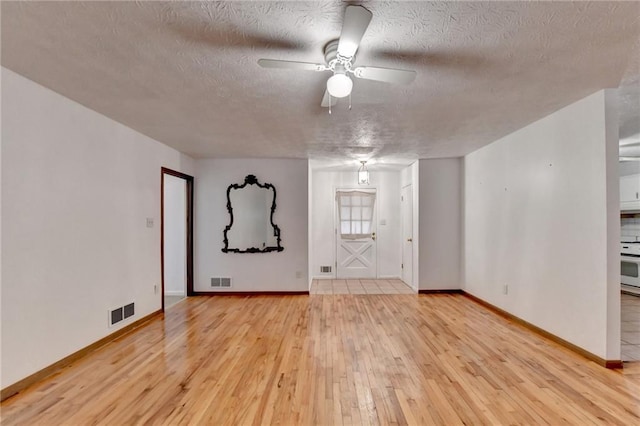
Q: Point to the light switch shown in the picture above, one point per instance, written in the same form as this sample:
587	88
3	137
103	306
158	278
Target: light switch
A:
149	222
383	222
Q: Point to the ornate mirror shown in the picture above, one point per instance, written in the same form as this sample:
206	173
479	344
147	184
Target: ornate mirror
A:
251	229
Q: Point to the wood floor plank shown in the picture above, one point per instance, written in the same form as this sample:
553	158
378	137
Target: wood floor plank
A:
334	359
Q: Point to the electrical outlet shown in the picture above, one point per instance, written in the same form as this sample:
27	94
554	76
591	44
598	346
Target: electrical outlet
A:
298	274
505	289
155	289
149	222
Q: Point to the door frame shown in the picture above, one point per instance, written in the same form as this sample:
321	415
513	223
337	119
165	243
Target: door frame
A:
336	222
189	215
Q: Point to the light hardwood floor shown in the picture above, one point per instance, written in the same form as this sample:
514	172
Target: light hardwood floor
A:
331	359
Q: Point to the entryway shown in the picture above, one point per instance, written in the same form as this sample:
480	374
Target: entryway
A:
361	232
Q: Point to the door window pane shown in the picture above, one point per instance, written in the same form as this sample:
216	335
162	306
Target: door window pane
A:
345	213
356	213
355	209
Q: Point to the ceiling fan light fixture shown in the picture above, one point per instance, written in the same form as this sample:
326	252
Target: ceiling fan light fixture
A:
339	85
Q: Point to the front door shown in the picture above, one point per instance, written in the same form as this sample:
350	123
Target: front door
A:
355	234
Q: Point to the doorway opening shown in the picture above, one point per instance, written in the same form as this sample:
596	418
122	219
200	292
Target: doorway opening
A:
176	242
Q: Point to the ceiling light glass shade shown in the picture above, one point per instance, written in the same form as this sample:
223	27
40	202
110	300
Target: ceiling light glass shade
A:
363	174
339	85
363	177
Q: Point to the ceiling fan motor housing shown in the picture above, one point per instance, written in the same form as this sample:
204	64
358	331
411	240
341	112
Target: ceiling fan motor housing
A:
332	58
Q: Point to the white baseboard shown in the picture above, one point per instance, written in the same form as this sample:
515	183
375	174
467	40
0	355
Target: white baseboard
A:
389	277
173	293
324	277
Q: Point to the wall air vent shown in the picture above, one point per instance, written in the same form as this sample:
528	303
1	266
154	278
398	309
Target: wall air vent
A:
121	313
221	282
325	269
129	310
115	316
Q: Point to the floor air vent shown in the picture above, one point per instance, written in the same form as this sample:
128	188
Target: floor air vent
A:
221	282
325	269
119	314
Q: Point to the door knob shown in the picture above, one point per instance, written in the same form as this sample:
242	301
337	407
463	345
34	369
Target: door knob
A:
373	236
410	239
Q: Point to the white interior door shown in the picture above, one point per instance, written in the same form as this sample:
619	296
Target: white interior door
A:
356	234
406	204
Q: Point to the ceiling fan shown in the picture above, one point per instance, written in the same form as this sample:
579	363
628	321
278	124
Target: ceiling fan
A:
340	56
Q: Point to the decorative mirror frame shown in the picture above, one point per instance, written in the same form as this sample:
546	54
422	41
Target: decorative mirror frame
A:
251	180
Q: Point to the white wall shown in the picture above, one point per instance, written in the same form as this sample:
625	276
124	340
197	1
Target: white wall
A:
274	271
538	218
310	248
175	236
389	248
441	204
613	230
1	274
77	188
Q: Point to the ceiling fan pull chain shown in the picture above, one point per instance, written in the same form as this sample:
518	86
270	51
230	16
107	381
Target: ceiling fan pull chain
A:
329	104
349	101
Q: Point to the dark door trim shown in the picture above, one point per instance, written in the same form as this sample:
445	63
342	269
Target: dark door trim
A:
189	215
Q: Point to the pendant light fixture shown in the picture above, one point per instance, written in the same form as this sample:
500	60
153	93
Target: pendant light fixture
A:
363	174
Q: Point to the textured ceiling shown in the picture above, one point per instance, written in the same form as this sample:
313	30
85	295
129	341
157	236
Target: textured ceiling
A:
185	73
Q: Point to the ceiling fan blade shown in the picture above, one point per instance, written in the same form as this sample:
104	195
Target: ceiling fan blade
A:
445	58
328	100
356	21
203	32
308	66
389	75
